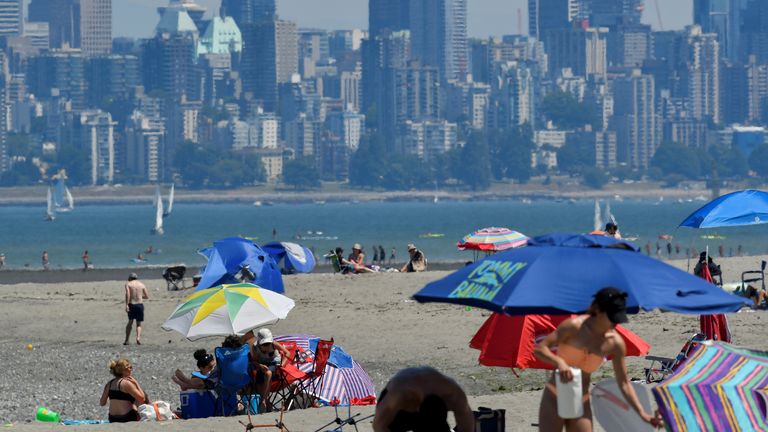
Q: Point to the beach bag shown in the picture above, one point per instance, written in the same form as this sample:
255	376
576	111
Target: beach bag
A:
489	420
156	411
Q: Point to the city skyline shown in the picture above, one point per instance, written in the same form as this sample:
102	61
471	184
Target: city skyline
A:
485	17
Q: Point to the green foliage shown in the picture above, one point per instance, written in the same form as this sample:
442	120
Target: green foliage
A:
301	173
200	167
566	112
475	156
758	160
594	177
576	156
510	154
21	174
730	163
676	159
20	145
77	164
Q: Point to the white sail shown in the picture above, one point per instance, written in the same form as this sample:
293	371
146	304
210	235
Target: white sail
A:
608	215
170	201
50	212
598	222
158	229
70	200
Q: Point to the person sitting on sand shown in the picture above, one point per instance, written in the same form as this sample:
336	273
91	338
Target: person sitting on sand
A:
418	399
714	269
200	379
585	342
357	259
123	393
758	296
417	262
266	355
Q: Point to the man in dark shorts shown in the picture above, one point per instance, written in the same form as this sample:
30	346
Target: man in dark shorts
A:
135	294
418	399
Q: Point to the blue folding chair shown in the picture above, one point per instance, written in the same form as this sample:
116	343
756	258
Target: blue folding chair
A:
232	364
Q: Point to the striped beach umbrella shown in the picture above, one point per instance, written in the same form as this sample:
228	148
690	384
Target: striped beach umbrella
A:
492	240
228	309
345	385
719	388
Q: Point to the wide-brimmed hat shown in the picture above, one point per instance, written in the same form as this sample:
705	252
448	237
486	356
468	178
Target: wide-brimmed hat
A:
411	247
357	246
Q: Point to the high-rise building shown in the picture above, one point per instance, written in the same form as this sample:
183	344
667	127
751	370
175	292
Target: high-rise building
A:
351	87
96	27
546	15
11	17
584	51
168	62
513	96
428	139
62	71
249	11
194	10
38	34
754	31
596	51
703	74
63	18
97	139
612	13
270	57
439	36
723	18
634	119
145	141
113	77
4	161
387	16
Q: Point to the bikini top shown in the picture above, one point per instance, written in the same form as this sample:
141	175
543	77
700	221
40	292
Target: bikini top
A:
579	358
117	394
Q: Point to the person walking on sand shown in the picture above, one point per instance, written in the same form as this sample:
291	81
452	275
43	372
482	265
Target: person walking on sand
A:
44	260
2	260
86	260
135	294
419	399
392	256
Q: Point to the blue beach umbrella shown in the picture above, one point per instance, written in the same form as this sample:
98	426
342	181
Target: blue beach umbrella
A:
559	274
227	258
295	256
747	207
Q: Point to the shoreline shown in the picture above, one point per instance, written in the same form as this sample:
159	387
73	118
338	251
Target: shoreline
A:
110	195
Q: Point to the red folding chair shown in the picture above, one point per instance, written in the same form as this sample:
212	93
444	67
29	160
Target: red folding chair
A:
282	392
312	383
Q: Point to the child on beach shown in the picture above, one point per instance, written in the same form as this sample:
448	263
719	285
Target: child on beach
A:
200	379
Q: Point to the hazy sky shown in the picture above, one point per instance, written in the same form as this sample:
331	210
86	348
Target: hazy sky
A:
137	18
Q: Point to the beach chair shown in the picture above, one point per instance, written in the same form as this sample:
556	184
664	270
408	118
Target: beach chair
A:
233	378
312	383
661	367
752	276
282	391
173	277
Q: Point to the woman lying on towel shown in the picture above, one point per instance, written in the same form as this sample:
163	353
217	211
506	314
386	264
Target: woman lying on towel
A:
584	342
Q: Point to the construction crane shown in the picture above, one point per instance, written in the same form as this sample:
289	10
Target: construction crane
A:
658	15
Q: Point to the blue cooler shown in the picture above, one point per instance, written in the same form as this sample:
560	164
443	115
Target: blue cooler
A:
197	404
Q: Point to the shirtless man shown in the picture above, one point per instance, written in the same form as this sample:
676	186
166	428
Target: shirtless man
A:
418	399
135	294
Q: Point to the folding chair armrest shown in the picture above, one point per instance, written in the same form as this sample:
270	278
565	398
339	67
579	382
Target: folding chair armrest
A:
662	360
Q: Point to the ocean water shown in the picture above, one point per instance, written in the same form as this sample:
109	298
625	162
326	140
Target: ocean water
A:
115	234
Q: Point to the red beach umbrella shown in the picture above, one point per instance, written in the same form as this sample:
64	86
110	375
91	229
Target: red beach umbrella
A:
509	341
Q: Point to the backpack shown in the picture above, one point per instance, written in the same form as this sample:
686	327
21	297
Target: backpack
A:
489	420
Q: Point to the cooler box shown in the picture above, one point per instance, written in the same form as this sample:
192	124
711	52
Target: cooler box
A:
197	404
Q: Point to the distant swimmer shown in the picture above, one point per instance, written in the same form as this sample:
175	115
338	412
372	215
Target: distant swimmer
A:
149	250
140	257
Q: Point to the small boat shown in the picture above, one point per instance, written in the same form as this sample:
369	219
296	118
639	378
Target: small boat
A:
62	197
50	213
320	202
713	237
257	203
526	201
168	211
158	228
665	237
431	235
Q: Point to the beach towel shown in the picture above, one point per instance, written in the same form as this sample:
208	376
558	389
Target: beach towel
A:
714	327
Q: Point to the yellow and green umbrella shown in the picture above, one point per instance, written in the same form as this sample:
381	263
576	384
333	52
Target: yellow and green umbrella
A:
228	309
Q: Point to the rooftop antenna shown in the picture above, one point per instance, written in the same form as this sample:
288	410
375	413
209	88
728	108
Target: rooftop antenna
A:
520	21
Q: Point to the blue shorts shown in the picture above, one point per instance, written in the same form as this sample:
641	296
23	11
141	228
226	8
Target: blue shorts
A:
136	312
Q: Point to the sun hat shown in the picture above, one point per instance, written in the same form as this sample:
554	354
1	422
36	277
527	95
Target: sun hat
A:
133	276
411	247
357	246
614	303
264	336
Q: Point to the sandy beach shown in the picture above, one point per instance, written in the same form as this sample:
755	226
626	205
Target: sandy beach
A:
76	327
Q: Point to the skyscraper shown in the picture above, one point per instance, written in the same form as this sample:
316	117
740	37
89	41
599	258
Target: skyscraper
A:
722	17
63	18
635	119
249	11
439	36
270	57
96	27
391	15
611	13
11	17
703	74
546	15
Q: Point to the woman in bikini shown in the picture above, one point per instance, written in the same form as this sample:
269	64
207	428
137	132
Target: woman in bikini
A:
201	378
584	342
123	393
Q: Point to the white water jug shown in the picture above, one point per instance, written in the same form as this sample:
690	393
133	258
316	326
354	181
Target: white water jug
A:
569	398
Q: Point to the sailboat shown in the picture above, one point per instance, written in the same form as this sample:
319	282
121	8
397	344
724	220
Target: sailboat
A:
158	229
50	213
598	222
62	198
168	211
